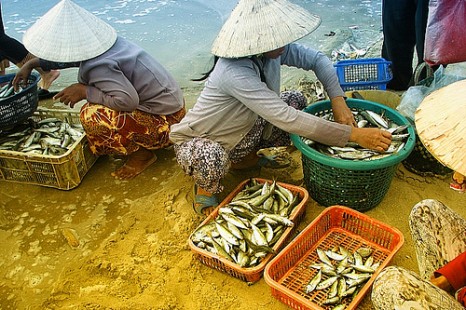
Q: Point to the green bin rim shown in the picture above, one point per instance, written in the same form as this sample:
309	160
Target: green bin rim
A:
355	164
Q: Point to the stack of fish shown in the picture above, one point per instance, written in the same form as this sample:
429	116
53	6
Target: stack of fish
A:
49	136
341	274
8	90
247	228
352	151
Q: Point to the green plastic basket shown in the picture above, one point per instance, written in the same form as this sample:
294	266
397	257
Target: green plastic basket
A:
360	185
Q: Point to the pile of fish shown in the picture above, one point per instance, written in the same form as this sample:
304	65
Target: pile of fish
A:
247	228
7	90
341	274
348	51
49	136
352	151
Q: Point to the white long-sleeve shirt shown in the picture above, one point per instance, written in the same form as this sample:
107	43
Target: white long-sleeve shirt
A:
234	96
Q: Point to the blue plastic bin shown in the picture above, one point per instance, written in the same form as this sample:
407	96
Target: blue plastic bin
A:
365	73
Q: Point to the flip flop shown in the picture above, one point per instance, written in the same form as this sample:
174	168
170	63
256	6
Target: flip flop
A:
268	159
45	94
203	202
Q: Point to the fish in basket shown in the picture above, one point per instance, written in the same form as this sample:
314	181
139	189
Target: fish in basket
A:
249	227
333	262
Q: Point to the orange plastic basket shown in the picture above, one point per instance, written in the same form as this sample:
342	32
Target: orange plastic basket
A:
251	274
288	273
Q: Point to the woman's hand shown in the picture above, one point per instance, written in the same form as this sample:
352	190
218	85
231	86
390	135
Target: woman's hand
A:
371	138
24	72
72	94
341	113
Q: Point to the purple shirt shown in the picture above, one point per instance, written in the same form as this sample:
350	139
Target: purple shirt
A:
127	78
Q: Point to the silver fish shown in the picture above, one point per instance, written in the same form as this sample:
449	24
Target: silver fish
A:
364	251
323	257
326	283
311	286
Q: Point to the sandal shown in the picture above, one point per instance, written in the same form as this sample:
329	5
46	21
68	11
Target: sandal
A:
203	203
273	161
45	94
458	183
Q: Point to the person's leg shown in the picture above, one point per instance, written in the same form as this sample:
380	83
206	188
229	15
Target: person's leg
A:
422	13
208	163
276	136
47	77
248	153
438	234
399	30
398	288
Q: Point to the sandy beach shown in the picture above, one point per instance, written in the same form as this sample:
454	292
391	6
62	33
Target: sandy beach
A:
110	244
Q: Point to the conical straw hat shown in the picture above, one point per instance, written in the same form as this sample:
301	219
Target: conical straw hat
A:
441	125
258	26
69	33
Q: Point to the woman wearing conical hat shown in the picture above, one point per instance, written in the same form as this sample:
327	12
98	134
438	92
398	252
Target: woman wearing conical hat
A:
131	98
240	110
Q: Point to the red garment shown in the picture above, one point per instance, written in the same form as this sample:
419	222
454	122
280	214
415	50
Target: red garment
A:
455	272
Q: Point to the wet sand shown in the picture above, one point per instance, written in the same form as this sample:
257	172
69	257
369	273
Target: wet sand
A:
111	244
132	250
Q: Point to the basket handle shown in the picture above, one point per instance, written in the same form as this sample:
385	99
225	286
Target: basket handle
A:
418	71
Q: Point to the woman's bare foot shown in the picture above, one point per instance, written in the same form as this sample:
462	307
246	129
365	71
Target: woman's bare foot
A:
47	78
135	164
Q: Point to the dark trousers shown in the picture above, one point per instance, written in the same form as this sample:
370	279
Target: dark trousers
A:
404	25
10	48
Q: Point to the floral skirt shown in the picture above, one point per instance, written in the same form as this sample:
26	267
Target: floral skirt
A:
122	133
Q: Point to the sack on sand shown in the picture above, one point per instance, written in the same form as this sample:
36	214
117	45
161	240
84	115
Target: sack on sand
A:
445	41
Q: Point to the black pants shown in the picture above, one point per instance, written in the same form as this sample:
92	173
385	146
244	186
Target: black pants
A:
404	25
10	48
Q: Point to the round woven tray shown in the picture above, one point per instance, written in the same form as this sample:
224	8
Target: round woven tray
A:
360	185
420	161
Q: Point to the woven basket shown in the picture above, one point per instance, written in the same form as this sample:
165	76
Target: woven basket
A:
17	108
360	185
421	161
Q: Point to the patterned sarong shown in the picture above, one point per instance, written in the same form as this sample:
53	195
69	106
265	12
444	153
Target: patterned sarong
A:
122	133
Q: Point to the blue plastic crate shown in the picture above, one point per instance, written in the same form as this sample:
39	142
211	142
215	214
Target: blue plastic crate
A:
366	73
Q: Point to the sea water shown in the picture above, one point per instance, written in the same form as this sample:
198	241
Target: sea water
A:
179	33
